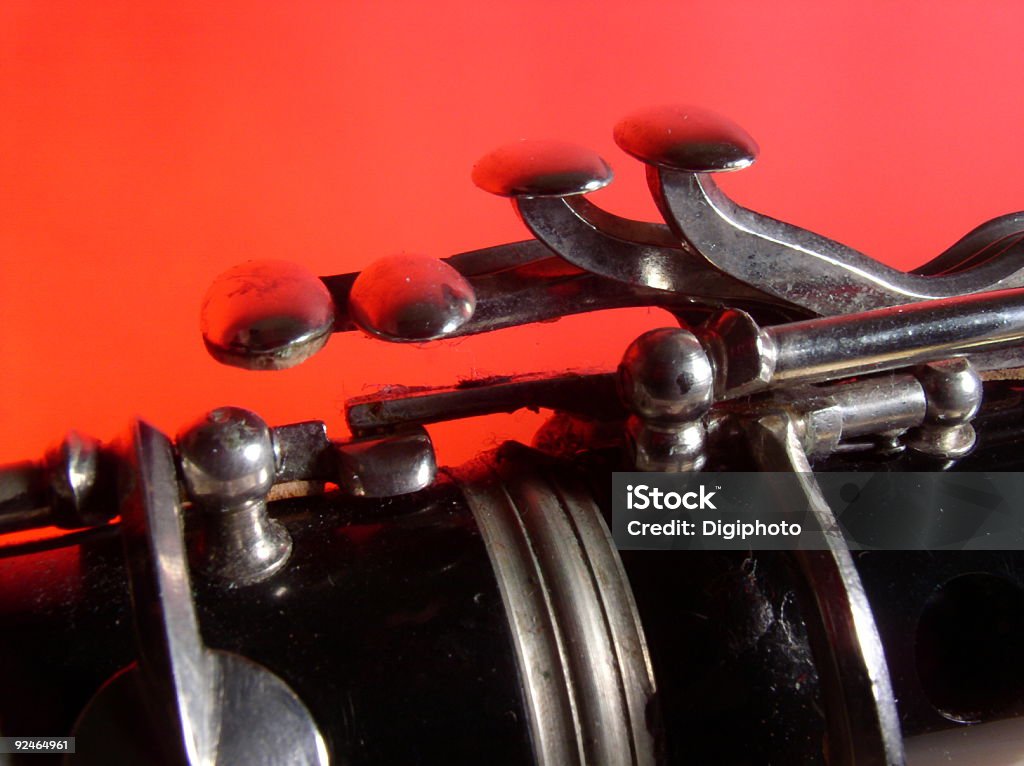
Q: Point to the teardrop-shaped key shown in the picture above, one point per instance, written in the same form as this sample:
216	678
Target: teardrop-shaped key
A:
410	298
541	169
686	138
266	315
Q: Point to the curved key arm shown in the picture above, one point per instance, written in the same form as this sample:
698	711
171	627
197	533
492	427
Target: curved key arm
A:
812	271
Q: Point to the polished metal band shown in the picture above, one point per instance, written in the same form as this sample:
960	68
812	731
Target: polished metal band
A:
586	673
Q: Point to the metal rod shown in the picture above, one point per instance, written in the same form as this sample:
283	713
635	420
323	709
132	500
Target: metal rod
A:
885	339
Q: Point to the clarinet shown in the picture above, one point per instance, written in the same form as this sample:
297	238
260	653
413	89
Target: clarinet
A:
240	593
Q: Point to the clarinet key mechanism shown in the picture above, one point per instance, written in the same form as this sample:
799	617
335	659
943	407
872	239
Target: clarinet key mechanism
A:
252	593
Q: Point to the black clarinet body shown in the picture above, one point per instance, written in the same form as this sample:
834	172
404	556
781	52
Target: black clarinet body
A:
245	594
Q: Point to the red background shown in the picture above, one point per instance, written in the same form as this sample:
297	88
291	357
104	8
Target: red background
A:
145	147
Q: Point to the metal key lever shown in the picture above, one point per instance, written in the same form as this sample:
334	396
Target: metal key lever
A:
684	146
34	495
590	394
183	702
860	707
547	182
71	488
745	359
256	330
992	239
273	315
713	253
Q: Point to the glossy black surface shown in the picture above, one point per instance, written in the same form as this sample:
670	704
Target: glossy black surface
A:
952	622
387	622
737	682
736	675
951	625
